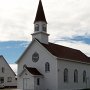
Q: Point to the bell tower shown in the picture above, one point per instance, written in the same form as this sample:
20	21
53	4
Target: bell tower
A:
40	25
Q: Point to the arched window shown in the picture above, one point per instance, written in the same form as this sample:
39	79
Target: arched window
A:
44	27
36	27
75	76
84	76
65	75
47	67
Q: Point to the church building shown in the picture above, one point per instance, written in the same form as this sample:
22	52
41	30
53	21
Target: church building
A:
48	66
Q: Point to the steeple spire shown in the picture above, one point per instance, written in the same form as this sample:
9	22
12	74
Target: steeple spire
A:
40	25
40	16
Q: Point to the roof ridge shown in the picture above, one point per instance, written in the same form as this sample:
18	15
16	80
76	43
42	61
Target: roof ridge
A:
66	52
65	46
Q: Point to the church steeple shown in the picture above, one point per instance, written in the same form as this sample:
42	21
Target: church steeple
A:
40	25
40	16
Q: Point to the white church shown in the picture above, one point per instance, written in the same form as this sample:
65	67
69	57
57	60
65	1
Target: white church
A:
48	66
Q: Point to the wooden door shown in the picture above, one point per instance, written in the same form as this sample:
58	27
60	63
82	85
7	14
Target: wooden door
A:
26	82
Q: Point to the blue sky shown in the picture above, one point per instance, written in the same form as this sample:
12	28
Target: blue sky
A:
69	26
12	50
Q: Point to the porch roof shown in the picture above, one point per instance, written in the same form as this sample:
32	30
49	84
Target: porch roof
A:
33	71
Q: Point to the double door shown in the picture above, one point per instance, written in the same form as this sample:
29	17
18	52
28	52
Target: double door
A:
26	83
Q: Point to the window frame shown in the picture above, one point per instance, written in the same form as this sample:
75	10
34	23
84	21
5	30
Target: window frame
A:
84	76
37	27
47	67
75	76
38	81
44	28
3	70
65	75
9	79
1	80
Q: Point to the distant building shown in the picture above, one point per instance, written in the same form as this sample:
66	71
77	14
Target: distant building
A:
7	75
48	66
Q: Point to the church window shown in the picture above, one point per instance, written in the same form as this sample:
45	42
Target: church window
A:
65	75
47	67
75	76
38	81
36	27
84	76
1	80
44	27
3	69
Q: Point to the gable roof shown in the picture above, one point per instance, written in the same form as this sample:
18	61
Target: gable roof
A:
33	71
61	52
66	52
1	56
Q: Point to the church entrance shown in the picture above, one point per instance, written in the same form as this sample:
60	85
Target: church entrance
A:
26	84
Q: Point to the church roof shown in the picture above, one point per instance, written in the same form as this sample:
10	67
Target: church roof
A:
66	52
62	52
40	16
33	71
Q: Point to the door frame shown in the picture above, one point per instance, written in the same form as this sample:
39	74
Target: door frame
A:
24	83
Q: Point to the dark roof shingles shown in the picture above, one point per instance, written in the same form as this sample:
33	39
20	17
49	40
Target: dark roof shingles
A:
40	16
66	52
33	71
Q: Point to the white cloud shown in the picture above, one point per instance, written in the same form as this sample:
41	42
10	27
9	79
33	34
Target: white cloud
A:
66	18
71	18
14	67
